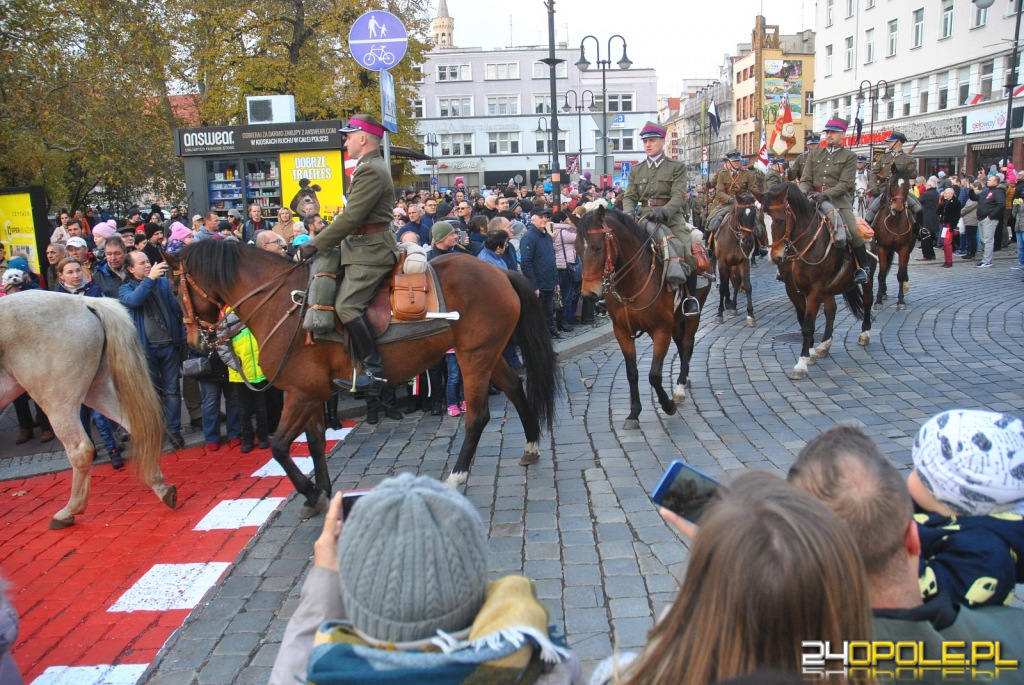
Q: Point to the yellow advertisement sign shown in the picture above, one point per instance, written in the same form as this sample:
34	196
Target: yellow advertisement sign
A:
17	229
312	183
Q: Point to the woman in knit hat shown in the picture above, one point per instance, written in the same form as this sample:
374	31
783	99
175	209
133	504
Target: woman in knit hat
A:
180	237
404	586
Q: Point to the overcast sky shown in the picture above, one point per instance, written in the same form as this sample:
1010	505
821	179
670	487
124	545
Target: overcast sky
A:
679	39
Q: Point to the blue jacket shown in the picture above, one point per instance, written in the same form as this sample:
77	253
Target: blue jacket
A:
133	295
90	289
511	258
107	281
476	243
491	257
537	259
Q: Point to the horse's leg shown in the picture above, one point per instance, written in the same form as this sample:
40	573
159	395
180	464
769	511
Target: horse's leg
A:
865	328
298	411
813	299
509	381
902	276
683	333
723	294
67	426
749	289
316	440
476	374
628	346
661	338
798	300
735	277
821	351
884	257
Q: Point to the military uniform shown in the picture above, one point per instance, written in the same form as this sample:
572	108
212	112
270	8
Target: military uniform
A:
797	168
772	178
832	172
368	253
729	184
882	170
662	186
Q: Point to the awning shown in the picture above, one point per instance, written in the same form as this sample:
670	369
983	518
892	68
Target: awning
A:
408	153
940	148
988	146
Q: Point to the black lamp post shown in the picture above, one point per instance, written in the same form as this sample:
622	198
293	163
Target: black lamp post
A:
873	97
604	64
579	101
542	128
552	62
1011	84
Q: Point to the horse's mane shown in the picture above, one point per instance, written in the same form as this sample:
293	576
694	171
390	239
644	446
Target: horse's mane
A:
215	262
900	173
627	221
794	196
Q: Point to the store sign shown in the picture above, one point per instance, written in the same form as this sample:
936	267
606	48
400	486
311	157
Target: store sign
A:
18	219
930	130
312	184
986	120
298	136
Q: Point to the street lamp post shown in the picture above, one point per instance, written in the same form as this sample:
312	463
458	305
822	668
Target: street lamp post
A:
542	128
604	64
553	62
872	97
579	101
1011	84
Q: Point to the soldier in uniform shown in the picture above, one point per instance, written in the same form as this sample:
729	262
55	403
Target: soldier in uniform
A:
883	170
797	168
776	173
829	175
368	247
729	184
657	192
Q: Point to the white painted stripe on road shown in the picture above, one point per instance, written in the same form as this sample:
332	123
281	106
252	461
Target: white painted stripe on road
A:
236	513
171	586
332	434
122	674
273	470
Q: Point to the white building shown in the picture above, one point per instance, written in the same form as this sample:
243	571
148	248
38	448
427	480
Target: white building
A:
479	111
940	65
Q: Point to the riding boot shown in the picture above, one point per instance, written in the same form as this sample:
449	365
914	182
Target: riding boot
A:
861	254
332	413
371	379
691	306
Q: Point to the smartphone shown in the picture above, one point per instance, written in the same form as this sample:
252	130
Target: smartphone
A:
349	500
685	491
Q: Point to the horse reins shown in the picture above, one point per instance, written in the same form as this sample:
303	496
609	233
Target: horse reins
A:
788	242
612	277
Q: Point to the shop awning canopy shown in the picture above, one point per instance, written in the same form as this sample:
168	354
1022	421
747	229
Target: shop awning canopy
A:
408	153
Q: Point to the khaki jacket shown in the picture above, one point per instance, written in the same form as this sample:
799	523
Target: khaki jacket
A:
834	170
667	181
883	169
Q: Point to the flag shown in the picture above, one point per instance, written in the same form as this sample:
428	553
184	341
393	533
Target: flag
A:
858	123
975	99
762	154
784	133
713	117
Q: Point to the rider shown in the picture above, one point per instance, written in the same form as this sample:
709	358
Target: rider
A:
883	170
657	192
862	183
776	173
812	141
829	175
368	247
730	182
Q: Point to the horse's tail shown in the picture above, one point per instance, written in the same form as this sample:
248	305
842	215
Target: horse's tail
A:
129	372
855	301
538	354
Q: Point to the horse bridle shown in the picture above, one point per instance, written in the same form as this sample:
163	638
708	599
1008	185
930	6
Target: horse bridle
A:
788	246
896	211
611	277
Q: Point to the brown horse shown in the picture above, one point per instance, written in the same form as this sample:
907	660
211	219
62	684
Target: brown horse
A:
259	287
621	263
894	234
734	244
815	272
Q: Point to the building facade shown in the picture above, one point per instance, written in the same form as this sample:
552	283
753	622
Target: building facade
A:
934	70
691	131
486	115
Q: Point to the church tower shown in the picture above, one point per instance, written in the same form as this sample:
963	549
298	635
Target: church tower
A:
444	27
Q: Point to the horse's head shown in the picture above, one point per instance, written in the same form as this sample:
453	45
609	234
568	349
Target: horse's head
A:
596	246
898	189
746	213
789	209
199	303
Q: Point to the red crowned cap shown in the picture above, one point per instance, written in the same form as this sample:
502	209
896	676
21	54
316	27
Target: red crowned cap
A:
836	125
365	123
652	130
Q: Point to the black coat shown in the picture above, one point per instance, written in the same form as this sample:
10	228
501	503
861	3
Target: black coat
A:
949	212
991	203
930	209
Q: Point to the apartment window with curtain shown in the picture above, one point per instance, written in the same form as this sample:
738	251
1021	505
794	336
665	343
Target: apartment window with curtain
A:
893	37
947	19
848	60
851	7
964	90
905	88
979	17
987	68
828	60
918	28
943	91
829	10
869	46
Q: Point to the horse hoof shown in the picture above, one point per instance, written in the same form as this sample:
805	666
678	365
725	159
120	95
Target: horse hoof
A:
630	424
901	306
61	524
750	322
679	394
456	479
864	338
670	408
822	350
878	306
733	312
800	370
689	386
531	454
170	496
309	511
719	319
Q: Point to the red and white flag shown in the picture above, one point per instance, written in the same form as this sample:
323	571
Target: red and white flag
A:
784	133
762	154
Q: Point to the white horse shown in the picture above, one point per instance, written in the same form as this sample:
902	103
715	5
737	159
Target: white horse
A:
67	351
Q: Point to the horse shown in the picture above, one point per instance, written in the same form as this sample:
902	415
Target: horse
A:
621	262
734	245
814	272
106	371
894	234
259	287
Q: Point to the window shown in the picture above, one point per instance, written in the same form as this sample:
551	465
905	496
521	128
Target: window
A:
541	70
869	46
918	28
620	102
619	139
870	4
455	107
986	80
943	96
809	103
848	60
504	143
456	144
544	139
828	11
893	37
851	6
453	72
417	109
964	77
1010	77
890	108
947	19
979	17
828	60
905	88
418	71
924	102
502	105
501	72
541	104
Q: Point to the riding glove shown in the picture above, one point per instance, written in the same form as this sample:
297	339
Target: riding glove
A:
305	252
658	216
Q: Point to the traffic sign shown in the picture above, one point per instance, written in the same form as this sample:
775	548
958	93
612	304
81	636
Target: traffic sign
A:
704	170
433	180
378	40
619	121
625	169
388	105
704	154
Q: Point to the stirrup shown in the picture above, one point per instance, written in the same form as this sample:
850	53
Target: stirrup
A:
696	304
860	276
365	383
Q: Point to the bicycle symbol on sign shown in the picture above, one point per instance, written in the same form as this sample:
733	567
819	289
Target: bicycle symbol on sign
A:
378	53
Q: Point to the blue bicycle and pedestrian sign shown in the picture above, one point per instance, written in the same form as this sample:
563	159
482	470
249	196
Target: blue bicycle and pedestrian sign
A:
378	40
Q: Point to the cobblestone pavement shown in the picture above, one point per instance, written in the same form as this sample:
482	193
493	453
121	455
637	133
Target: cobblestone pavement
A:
580	522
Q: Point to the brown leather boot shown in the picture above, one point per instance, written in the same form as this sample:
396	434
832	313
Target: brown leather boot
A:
47	435
24	435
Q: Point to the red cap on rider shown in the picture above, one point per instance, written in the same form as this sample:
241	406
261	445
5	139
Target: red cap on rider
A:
366	123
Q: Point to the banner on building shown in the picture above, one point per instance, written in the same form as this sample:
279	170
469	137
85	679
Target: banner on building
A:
784	79
24	229
572	164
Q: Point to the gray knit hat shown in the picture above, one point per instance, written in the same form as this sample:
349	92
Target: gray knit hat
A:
413	560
